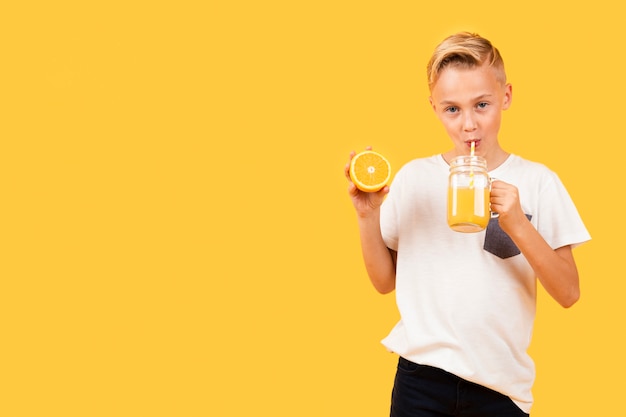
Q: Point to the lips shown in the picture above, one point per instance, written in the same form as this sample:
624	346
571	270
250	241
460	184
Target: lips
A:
469	142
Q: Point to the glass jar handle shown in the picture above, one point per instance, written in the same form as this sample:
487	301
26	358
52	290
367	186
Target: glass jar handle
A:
493	214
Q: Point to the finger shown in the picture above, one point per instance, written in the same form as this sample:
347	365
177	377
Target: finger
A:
497	204
497	185
347	167
494	195
497	198
352	190
499	189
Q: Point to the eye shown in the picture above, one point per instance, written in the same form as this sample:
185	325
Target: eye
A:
451	109
482	105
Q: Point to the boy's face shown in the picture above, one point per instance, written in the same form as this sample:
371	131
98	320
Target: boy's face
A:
469	103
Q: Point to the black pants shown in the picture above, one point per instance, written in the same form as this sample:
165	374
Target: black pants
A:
425	391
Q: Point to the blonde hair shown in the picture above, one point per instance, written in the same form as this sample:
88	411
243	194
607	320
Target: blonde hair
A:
464	50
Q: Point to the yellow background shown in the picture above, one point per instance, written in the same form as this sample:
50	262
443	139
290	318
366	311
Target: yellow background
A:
176	238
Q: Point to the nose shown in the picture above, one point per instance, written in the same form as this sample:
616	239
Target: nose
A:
469	122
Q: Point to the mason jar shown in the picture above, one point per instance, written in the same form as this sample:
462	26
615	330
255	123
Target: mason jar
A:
469	186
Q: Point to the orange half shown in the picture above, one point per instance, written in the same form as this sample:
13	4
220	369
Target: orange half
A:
370	171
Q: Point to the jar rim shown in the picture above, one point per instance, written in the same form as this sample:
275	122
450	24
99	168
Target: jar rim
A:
474	160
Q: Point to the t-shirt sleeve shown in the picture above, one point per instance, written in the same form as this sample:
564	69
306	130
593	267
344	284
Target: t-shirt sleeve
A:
389	214
558	221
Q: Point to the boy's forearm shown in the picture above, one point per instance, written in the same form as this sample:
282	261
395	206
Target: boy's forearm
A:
379	262
555	269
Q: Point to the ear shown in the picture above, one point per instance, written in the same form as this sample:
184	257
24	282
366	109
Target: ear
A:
508	96
430	100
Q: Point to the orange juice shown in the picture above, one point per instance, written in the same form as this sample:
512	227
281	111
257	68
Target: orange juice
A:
468	208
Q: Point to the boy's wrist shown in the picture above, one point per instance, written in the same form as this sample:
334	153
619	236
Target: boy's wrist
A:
369	216
520	229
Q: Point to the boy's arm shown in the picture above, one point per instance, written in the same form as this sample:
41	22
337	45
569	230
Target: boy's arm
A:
380	261
555	268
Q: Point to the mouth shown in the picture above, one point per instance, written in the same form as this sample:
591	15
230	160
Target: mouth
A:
476	143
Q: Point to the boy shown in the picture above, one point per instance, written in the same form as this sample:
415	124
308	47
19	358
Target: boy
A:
467	300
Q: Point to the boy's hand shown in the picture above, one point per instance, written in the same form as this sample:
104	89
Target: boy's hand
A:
505	202
365	203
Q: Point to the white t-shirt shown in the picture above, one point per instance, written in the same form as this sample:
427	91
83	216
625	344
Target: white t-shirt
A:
467	300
